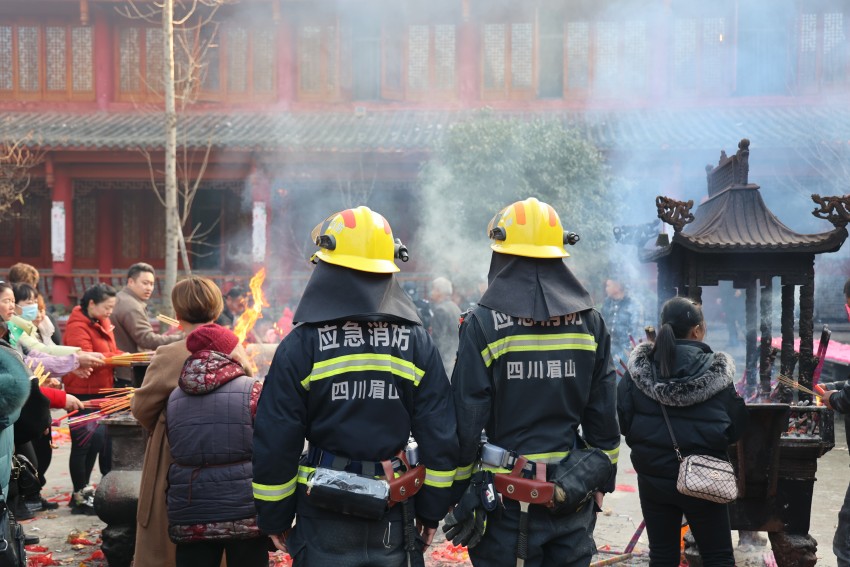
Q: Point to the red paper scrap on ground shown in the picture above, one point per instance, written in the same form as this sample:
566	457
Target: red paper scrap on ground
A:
36	548
39	560
625	488
96	556
80	541
280	559
450	553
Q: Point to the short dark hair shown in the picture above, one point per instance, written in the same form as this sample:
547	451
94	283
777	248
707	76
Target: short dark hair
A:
98	293
24	292
138	268
847	288
236	291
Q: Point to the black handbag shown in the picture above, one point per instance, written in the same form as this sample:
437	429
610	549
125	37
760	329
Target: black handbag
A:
25	475
579	475
12	552
35	416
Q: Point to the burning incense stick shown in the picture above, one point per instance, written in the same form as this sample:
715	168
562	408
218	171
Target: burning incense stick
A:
791	383
117	400
168	320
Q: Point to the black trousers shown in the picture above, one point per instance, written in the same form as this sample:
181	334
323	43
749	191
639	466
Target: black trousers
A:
322	538
87	444
553	541
663	507
243	552
44	454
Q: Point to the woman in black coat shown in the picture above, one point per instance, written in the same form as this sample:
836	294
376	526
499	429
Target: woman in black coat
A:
696	387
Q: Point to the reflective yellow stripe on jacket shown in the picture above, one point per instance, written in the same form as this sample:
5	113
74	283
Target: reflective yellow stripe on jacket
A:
274	492
613	454
531	343
439	479
547	458
364	363
551	458
464	473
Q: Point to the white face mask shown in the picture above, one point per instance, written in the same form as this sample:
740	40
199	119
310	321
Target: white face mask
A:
29	312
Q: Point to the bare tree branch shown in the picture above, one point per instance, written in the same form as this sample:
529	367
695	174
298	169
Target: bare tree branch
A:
16	163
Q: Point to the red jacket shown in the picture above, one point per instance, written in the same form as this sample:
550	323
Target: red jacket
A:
57	397
91	336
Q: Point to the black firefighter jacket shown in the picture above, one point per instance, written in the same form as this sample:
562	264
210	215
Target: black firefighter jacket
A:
706	413
530	385
357	390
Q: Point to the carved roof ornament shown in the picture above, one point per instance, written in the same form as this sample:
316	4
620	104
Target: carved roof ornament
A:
729	171
834	209
675	213
637	234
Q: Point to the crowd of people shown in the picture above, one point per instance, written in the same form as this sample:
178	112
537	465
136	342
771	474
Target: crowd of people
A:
384	414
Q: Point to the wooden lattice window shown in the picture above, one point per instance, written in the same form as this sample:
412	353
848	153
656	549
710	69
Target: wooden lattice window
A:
46	62
420	61
25	232
140	63
85	231
701	56
318	61
823	54
605	58
507	60
141	227
230	62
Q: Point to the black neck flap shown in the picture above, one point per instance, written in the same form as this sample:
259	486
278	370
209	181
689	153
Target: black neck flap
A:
533	288
335	293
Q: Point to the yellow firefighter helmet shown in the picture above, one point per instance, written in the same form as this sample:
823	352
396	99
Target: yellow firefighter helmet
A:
529	228
360	239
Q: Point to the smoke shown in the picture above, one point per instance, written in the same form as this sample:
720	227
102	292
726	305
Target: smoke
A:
659	90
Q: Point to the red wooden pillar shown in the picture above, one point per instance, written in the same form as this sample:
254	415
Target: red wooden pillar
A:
63	204
286	68
104	69
468	58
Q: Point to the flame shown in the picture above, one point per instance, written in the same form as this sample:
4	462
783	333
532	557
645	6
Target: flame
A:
248	319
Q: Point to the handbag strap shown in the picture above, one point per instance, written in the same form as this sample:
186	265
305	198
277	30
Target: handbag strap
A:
666	419
670	429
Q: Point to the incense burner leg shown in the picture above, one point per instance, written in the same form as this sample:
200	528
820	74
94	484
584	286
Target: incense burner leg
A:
793	550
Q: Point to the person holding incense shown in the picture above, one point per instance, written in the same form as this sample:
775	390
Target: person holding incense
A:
197	301
133	330
90	329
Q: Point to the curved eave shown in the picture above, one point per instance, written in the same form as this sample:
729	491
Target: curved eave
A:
825	243
808	244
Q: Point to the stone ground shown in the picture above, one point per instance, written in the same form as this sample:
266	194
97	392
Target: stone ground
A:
65	538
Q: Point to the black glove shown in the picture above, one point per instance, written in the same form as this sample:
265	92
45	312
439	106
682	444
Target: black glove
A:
466	524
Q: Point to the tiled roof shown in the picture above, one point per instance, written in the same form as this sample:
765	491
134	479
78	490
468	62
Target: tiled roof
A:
737	220
389	130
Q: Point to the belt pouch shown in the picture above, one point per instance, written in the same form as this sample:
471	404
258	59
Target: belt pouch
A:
349	493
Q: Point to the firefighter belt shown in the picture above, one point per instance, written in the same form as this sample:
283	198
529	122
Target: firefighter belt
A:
515	486
339	489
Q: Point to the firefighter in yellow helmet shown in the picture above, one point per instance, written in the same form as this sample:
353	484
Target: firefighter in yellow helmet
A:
356	377
532	366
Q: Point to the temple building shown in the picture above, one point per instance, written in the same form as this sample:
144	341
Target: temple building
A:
298	107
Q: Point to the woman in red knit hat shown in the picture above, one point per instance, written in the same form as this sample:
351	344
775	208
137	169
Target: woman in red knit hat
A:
90	329
210	425
197	302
